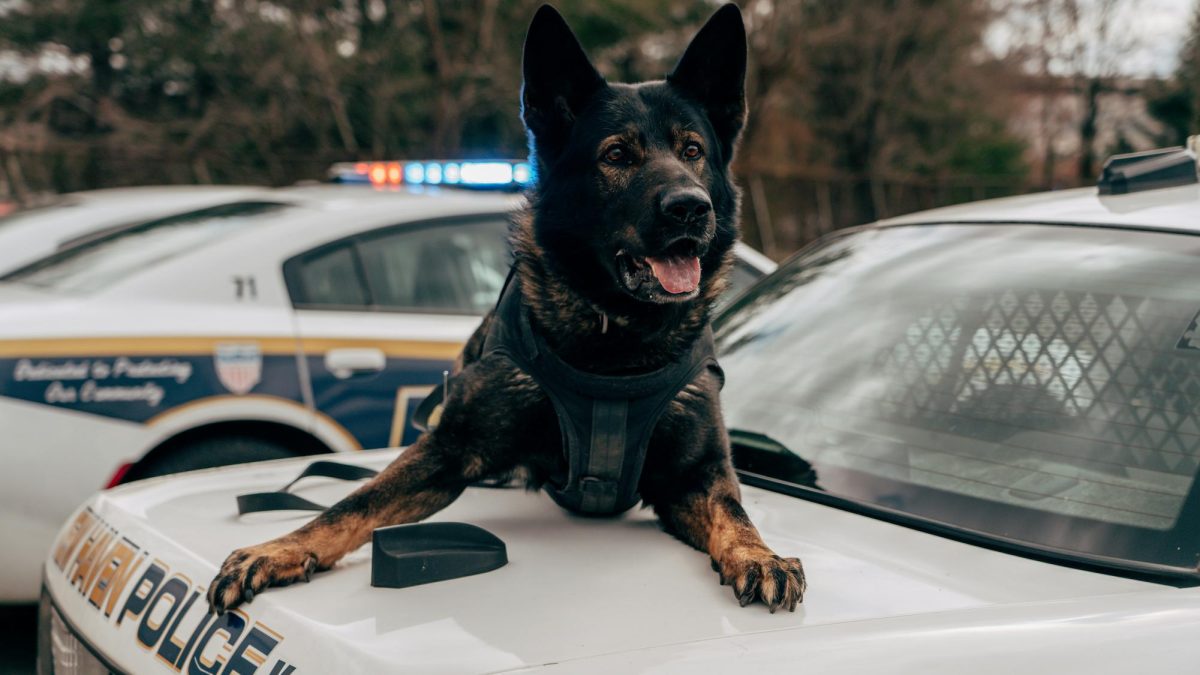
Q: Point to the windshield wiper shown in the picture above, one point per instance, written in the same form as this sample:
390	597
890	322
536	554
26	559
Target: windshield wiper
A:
758	454
764	462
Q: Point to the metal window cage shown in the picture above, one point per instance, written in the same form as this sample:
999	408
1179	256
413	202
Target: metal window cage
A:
1109	376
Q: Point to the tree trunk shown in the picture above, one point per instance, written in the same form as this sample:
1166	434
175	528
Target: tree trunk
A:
1087	131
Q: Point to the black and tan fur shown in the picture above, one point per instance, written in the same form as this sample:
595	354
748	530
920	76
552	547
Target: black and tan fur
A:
613	161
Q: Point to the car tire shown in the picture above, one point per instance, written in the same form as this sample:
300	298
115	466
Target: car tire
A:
206	453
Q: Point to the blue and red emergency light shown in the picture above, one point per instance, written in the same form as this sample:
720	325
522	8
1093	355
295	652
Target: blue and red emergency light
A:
481	174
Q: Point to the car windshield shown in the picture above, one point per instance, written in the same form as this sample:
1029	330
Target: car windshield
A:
1035	384
100	262
742	275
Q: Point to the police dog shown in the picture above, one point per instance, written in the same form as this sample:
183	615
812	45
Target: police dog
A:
620	254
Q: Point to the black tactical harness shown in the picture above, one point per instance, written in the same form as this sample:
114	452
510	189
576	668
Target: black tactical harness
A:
606	420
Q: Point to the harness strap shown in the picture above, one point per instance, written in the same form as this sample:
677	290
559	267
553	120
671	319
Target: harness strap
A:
283	500
600	484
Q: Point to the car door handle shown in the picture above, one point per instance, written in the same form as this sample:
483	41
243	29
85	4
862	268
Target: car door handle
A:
344	363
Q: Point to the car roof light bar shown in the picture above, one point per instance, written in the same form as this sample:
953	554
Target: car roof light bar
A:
490	174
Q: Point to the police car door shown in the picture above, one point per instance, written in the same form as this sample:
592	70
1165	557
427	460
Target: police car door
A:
383	314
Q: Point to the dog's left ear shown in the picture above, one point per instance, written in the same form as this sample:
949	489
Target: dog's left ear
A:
713	72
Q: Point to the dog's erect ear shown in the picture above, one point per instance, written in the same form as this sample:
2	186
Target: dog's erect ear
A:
713	72
559	79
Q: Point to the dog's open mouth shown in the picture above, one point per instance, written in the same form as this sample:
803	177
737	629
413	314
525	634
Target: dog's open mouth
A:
676	270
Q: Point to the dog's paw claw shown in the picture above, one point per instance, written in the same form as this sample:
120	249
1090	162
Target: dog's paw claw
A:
247	572
763	576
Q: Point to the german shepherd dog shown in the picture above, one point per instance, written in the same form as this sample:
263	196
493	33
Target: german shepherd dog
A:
620	254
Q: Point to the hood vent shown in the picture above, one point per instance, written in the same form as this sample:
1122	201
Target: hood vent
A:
422	553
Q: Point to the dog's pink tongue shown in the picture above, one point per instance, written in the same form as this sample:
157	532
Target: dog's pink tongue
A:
677	274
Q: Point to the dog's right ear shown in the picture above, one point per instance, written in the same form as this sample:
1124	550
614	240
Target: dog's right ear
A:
559	78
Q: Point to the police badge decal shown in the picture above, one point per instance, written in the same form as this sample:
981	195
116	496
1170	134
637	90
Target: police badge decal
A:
239	366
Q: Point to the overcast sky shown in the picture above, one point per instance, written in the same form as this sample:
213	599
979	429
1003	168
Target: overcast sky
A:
1161	26
1147	33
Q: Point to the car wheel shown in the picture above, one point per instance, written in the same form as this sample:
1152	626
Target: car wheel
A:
206	453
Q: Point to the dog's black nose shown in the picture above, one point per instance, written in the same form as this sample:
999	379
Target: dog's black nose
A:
685	205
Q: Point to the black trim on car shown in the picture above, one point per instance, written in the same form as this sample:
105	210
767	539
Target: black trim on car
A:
1161	574
1131	227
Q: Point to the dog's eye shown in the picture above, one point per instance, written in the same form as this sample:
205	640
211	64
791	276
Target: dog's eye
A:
692	150
616	154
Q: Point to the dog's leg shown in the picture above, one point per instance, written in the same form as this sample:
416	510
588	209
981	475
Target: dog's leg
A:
709	516
423	480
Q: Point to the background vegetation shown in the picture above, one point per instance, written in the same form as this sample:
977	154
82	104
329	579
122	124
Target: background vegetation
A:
859	109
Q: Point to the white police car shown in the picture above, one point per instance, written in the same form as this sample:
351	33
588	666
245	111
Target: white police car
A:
302	321
29	234
977	426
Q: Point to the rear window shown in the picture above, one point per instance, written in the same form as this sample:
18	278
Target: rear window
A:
103	261
1036	383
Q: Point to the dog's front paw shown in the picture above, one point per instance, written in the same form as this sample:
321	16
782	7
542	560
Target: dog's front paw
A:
248	571
759	574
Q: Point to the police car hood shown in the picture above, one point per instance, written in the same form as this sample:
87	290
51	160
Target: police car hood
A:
27	310
580	595
19	294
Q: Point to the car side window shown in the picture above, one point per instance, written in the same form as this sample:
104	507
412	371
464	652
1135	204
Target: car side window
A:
451	267
456	266
330	278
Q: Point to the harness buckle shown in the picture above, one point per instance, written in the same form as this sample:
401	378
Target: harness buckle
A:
600	486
